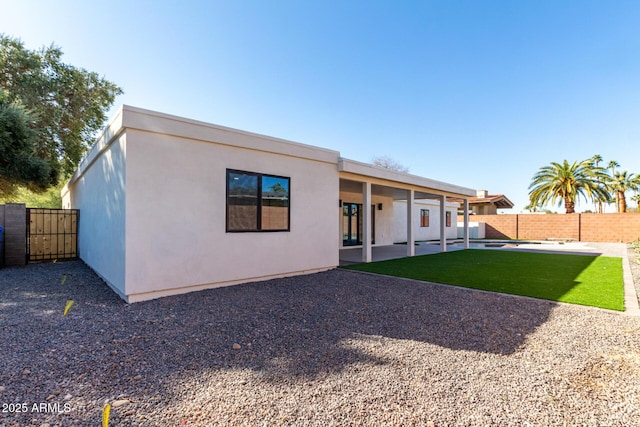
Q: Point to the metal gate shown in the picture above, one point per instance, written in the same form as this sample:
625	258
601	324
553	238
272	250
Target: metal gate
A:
52	234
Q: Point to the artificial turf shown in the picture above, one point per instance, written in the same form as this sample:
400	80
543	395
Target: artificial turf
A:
579	279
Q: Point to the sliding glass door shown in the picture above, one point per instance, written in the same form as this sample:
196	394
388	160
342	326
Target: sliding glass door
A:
352	215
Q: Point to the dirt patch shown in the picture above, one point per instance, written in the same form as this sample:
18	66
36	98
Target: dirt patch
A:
609	375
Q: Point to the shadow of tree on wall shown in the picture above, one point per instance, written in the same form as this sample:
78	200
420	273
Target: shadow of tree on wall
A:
287	328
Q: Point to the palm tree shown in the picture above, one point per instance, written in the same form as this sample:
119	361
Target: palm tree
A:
531	207
596	159
566	182
636	199
613	165
620	183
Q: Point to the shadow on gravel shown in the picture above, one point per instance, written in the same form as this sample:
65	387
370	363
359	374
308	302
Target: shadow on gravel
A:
287	328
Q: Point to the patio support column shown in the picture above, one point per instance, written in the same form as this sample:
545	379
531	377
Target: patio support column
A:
443	219
340	225
366	222
466	223
411	248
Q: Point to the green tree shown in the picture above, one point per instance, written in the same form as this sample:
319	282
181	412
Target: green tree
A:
278	188
50	198
68	104
19	165
620	183
564	182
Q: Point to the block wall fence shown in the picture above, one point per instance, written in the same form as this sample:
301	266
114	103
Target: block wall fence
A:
611	227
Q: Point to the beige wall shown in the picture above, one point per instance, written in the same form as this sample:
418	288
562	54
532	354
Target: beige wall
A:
98	190
484	209
432	232
152	196
176	236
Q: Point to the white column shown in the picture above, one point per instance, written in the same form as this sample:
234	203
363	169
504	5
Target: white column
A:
366	222
466	223
443	219
340	225
411	248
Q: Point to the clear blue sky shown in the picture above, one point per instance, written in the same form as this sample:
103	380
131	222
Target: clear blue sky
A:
476	93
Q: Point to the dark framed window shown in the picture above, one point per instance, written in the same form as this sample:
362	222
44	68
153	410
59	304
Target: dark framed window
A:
448	218
424	217
257	202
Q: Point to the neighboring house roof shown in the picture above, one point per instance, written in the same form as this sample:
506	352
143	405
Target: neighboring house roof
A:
500	200
483	198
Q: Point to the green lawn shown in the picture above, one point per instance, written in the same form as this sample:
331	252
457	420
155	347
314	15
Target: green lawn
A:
577	279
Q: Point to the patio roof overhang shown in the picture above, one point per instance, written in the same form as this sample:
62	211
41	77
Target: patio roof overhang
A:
395	184
371	180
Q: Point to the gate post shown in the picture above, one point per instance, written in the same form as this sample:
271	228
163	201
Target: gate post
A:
15	234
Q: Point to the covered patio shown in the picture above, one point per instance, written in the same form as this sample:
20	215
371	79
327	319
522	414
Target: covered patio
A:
370	191
349	256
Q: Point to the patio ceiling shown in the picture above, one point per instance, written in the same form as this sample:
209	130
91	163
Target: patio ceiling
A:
350	186
394	184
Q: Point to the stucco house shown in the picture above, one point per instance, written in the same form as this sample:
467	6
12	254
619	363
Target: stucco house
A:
171	205
488	204
427	220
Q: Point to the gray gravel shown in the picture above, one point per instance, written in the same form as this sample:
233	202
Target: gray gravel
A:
634	264
335	348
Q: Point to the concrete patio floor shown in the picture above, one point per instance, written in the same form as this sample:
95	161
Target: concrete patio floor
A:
350	256
353	255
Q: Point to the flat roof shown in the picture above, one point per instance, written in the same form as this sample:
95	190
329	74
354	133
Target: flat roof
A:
167	124
128	117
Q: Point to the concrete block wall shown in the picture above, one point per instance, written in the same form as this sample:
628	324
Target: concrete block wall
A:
540	227
622	227
614	227
13	217
496	226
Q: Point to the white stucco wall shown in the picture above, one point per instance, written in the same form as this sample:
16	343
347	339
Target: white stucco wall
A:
155	225
476	230
98	190
383	218
176	207
432	232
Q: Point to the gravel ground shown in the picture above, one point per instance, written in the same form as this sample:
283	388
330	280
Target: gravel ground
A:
334	348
